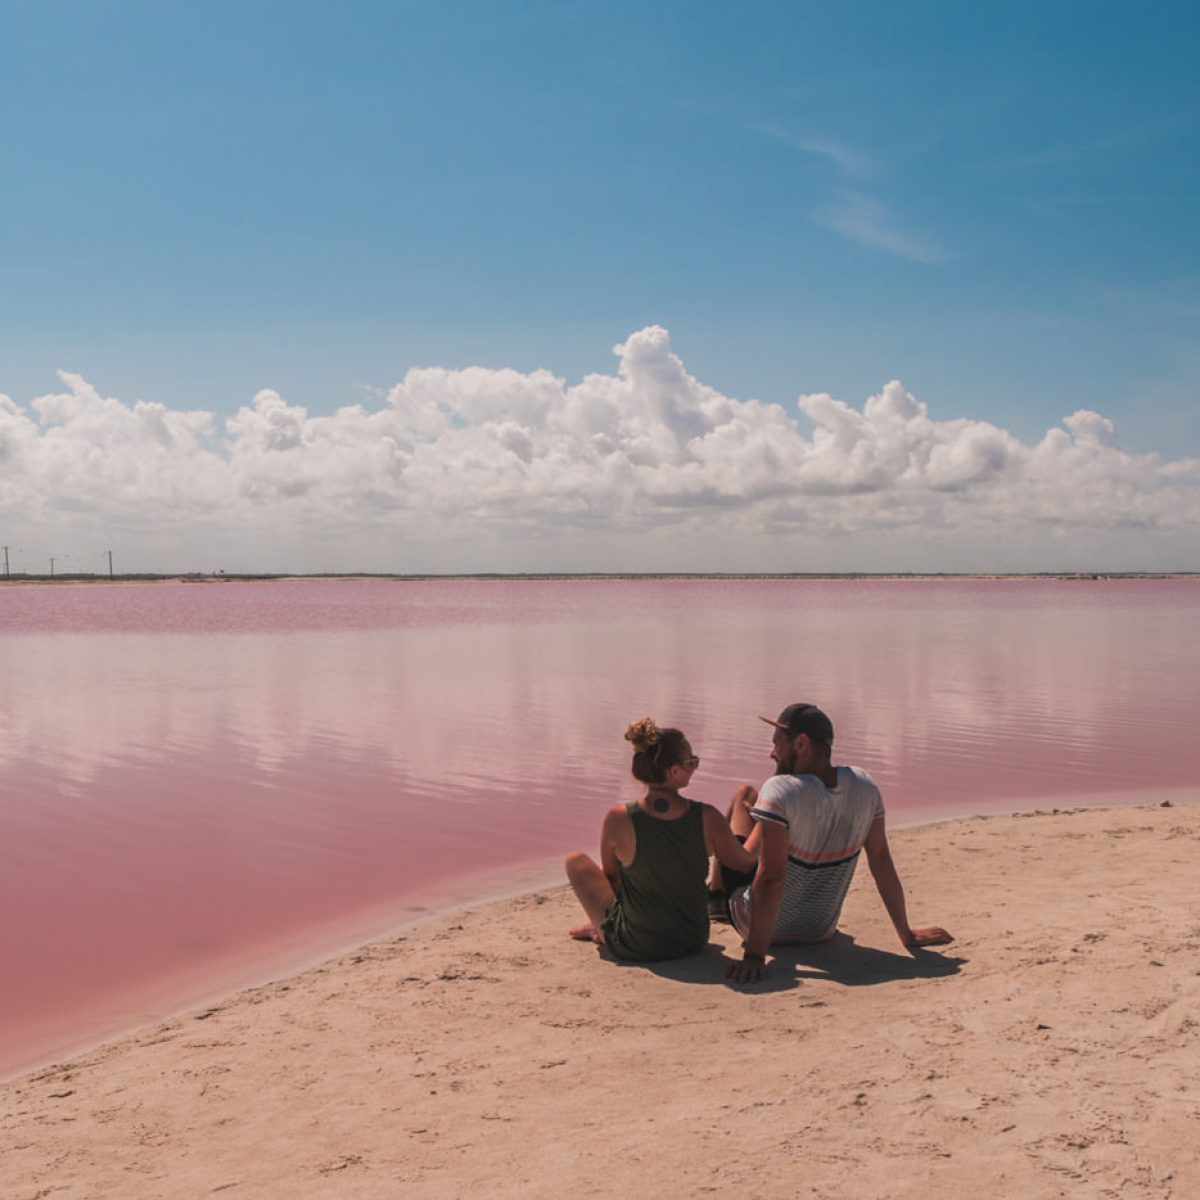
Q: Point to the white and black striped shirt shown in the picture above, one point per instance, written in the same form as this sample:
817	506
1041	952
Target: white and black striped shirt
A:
826	831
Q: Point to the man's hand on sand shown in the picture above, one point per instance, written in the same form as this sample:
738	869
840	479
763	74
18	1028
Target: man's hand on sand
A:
751	969
933	936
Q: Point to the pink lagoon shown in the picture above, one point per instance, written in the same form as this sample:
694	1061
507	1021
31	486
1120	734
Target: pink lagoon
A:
204	785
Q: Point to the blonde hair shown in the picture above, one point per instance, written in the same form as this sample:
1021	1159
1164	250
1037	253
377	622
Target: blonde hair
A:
655	750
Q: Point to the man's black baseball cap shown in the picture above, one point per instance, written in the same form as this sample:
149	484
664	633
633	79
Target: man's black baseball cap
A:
804	718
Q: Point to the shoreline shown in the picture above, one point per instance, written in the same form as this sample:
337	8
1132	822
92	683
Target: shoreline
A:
170	999
1048	1048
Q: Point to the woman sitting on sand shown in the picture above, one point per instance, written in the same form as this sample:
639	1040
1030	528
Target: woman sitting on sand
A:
648	899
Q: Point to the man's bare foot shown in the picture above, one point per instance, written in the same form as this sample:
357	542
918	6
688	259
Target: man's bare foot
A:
585	933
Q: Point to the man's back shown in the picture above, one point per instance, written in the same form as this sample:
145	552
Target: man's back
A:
826	829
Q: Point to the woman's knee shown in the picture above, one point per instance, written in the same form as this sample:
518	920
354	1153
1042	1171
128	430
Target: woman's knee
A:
577	863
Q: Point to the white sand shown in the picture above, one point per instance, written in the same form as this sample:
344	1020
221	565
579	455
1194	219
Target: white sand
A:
1052	1050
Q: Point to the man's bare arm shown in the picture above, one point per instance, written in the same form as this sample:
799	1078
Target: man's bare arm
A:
766	892
891	891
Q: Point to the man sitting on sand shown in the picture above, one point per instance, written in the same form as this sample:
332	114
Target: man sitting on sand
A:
808	824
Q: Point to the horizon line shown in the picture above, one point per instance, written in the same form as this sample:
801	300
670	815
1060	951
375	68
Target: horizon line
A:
517	576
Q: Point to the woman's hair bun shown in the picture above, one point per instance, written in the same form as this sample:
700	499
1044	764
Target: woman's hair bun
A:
643	734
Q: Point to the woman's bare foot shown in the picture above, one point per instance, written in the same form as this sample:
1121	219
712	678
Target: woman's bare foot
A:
585	933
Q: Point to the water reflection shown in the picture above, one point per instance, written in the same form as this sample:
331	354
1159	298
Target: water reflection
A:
191	775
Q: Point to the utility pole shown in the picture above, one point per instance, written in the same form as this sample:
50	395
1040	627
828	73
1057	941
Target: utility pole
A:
5	562
109	553
52	567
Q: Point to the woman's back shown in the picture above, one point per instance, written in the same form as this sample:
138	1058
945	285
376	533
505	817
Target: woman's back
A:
661	910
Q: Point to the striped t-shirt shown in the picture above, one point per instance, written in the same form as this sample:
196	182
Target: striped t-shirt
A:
826	830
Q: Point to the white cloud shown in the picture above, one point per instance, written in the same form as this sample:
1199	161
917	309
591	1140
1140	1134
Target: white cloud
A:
868	221
846	159
856	215
647	468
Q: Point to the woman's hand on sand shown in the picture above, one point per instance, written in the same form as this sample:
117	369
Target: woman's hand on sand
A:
933	936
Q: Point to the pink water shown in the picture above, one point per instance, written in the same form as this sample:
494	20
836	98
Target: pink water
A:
202	783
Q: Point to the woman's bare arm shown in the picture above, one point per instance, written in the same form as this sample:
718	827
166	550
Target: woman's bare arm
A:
721	842
617	844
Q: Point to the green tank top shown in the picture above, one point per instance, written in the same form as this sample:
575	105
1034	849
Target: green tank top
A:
661	908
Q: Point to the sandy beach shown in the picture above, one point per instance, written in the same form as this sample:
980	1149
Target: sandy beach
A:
1052	1050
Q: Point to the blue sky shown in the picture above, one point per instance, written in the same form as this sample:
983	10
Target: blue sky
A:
994	204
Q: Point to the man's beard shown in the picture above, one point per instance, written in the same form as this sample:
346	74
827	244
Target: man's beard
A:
783	766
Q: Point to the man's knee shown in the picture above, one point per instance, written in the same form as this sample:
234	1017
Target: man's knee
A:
743	801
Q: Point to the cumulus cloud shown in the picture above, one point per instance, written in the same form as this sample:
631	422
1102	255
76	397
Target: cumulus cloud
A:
478	457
